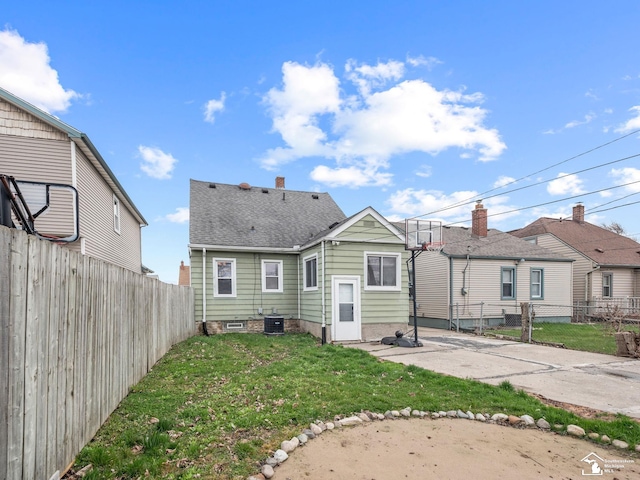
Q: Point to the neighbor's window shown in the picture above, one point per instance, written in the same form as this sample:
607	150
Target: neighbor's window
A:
224	273
607	284
272	276
311	273
537	284
382	271
508	283
116	214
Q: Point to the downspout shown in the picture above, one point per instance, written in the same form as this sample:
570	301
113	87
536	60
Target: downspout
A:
324	309
204	291
299	288
586	282
451	290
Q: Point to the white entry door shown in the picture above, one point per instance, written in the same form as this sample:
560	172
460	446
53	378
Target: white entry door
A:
345	298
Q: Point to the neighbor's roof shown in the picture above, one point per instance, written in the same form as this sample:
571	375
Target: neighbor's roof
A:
599	244
459	241
257	217
83	142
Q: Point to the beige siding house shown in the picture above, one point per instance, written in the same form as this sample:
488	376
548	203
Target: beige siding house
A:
606	265
483	273
37	147
261	254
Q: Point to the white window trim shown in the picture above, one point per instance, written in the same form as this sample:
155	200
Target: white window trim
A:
233	277
304	272
117	219
608	275
382	288
264	277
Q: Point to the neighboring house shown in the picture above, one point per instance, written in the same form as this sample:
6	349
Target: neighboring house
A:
36	146
263	253
481	272
607	265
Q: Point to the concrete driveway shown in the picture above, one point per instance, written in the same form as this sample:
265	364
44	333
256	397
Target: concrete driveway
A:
593	380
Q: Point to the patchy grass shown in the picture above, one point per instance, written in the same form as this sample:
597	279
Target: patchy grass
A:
587	337
216	407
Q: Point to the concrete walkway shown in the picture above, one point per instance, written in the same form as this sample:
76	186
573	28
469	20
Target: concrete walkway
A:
593	380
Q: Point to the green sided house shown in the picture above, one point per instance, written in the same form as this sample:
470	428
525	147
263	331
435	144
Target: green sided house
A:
261	257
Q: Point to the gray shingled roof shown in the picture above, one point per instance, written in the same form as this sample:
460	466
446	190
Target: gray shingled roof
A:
599	244
228	215
459	241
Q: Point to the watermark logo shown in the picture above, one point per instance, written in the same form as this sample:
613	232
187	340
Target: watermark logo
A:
599	466
596	463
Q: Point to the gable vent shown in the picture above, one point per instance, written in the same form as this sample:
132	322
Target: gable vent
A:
369	223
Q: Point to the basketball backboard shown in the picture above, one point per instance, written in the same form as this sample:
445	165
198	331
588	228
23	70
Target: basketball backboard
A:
423	234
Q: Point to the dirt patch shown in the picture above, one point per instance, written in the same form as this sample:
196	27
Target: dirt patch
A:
451	449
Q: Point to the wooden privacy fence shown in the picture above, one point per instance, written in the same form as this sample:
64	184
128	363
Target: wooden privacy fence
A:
75	334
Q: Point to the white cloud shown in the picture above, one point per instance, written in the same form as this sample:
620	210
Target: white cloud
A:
627	175
631	124
353	176
420	60
424	171
502	181
213	106
565	185
26	72
180	216
587	119
365	130
156	163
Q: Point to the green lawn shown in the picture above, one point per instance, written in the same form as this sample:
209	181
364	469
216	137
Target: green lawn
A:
216	407
593	337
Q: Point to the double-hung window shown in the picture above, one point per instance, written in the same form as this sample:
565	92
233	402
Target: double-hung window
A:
607	284
508	283
537	284
224	277
311	273
272	276
382	271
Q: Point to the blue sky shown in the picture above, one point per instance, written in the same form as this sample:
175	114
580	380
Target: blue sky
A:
405	106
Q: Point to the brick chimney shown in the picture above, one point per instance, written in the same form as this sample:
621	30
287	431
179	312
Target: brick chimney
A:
280	182
479	220
578	213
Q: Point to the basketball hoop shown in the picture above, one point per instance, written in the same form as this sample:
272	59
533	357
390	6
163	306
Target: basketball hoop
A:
433	247
423	235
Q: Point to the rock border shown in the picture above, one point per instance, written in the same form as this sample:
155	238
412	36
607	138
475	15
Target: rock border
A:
317	428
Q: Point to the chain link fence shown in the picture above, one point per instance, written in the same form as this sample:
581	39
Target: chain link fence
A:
609	326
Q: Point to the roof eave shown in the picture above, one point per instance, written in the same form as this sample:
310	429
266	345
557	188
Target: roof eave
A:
238	248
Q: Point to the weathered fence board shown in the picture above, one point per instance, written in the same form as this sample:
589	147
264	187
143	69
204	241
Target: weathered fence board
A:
75	335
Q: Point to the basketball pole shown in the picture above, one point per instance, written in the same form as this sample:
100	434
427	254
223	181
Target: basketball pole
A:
413	296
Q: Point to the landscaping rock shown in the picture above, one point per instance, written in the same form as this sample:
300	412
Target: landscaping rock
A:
470	415
575	430
543	424
620	444
364	417
637	449
405	412
528	420
435	415
259	476
415	413
513	420
380	416
280	456
395	413
267	471
350	421
371	415
452	413
302	438
316	429
295	441
442	414
594	436
500	417
272	461
287	446
605	439
388	414
461	414
322	425
310	435
480	417
330	426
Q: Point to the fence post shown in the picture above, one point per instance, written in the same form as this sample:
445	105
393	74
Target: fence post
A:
524	315
530	322
481	317
457	318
